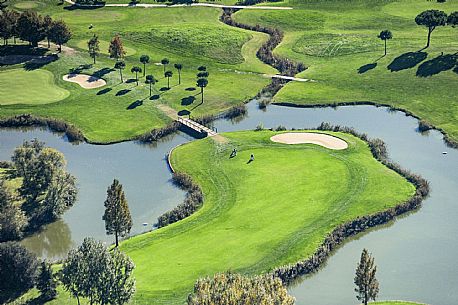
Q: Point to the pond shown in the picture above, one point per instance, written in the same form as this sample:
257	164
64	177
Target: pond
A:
415	255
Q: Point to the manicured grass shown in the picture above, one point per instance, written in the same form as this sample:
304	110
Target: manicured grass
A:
338	41
273	211
29	87
26	5
395	303
124	111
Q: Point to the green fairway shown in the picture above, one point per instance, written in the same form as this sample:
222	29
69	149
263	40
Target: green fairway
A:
395	303
29	87
338	41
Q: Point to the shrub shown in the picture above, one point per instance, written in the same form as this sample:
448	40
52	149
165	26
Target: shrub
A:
259	127
424	126
280	128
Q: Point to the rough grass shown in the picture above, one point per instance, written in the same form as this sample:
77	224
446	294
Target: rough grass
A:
338	41
29	87
103	46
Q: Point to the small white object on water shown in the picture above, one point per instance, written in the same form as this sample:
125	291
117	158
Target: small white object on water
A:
145	224
444	152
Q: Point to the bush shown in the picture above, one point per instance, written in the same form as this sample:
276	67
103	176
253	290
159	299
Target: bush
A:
259	127
280	128
424	126
18	270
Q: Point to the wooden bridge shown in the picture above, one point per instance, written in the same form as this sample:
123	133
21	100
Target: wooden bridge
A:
196	127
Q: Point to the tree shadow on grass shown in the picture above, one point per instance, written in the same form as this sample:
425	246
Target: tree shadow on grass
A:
22	50
367	67
456	69
122	92
190	89
135	104
79	69
164	89
184	112
437	65
100	73
185	101
407	60
154	97
37	63
103	91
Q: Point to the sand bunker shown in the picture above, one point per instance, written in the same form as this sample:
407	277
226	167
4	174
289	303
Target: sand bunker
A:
310	137
85	81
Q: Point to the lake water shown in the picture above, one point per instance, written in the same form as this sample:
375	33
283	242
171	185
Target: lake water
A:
416	255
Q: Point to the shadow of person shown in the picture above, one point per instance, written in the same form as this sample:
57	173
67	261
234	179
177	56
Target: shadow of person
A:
406	61
437	65
135	104
367	67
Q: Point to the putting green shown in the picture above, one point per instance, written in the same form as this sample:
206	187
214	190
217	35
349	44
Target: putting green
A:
259	215
29	87
104	45
26	5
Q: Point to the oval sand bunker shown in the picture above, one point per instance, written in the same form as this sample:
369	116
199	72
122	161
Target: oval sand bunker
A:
310	138
85	81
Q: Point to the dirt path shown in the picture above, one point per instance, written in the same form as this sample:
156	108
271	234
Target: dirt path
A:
145	5
324	140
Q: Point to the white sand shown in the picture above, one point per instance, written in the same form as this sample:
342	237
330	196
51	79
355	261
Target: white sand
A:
85	81
311	138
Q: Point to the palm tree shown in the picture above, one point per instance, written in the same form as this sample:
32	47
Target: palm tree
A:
202	68
202	83
144	59
136	70
385	35
120	65
150	80
165	62
179	67
203	74
168	74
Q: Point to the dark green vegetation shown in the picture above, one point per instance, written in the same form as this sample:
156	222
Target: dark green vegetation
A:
338	42
38	190
122	111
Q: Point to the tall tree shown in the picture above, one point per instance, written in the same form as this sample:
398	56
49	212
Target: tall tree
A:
30	28
120	65
168	74
7	24
204	74
202	68
93	46
116	48
144	59
12	218
367	286
202	83
117	215
165	62
431	19
385	35
136	70
60	33
46	283
47	25
179	67
229	288
18	270
150	80
453	19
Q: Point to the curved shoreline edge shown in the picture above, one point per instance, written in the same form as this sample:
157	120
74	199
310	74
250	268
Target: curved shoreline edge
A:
288	273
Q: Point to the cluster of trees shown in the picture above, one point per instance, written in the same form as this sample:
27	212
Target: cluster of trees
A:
20	270
230	288
102	276
434	18
46	192
33	28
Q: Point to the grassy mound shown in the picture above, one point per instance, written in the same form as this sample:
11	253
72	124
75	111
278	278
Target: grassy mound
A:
26	5
423	83
29	87
218	42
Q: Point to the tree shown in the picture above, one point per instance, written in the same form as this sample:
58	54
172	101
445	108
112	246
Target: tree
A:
47	25
202	83
93	47
232	288
150	80
60	33
136	70
120	65
168	74
203	74
202	68
385	35
453	19
165	62
431	19
367	287
117	215
179	67
116	48
18	270
144	59
30	28
3	5
118	285
46	283
7	25
12	218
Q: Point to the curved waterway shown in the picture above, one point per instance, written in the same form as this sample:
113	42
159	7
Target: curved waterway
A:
416	255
